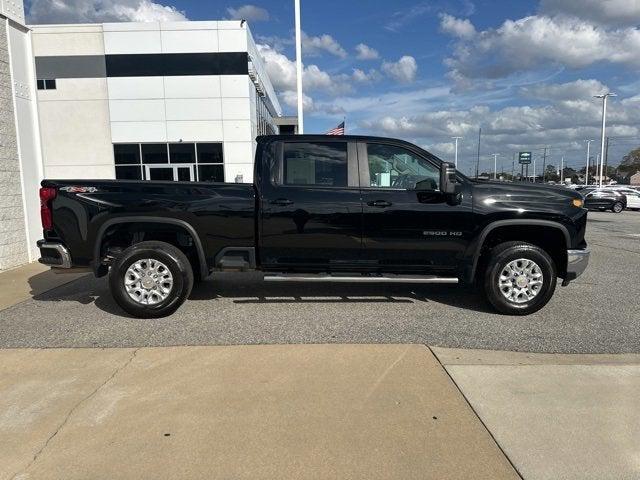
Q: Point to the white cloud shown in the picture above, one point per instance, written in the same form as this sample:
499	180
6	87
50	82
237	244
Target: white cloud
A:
282	72
531	42
290	98
402	17
563	123
361	76
95	11
616	12
365	52
456	26
251	13
576	90
403	71
324	43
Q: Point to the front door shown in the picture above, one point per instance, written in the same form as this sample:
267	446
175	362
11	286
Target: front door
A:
407	223
176	173
310	204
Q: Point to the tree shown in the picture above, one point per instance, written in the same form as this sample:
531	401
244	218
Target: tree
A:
550	173
630	162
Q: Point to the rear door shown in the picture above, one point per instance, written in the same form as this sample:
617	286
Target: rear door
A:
310	205
407	223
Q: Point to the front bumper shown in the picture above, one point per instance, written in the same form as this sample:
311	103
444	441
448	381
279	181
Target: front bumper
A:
54	254
577	261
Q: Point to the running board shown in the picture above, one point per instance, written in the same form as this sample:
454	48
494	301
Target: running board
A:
285	277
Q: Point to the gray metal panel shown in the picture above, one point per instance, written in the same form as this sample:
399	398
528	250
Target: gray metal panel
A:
71	66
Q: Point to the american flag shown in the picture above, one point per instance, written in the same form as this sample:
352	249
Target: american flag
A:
339	130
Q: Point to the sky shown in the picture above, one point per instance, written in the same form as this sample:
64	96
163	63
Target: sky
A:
524	71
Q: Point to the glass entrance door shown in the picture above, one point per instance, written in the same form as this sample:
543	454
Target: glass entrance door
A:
176	173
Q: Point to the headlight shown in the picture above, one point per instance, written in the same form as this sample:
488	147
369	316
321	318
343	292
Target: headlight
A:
578	202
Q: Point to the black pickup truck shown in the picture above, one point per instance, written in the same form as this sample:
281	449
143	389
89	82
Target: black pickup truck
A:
337	209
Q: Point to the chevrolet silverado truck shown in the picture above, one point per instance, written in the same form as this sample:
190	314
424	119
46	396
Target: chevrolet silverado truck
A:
321	209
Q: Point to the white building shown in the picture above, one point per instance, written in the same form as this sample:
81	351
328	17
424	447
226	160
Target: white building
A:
20	161
159	101
154	101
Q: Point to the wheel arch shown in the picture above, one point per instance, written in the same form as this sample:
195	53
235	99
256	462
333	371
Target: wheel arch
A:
510	225
182	224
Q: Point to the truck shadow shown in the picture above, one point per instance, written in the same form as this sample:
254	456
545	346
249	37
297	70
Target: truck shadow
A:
253	291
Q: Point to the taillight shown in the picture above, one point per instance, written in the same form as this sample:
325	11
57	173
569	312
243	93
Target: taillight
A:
47	194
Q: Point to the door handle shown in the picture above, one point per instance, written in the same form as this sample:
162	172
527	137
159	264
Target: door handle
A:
282	202
380	204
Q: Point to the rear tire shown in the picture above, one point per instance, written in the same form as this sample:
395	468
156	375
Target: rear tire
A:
151	279
519	278
617	207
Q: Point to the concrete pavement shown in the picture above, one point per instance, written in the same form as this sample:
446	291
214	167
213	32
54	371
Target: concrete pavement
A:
556	416
23	283
316	411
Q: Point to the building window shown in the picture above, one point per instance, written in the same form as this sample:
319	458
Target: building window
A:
210	162
264	119
155	153
46	84
182	153
203	162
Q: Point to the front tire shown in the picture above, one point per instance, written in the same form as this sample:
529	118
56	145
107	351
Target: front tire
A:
519	279
617	207
151	279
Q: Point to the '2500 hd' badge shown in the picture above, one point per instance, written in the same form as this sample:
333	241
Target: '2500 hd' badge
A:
441	233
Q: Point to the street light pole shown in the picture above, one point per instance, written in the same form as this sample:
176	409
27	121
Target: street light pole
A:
495	165
456	157
478	159
562	170
586	175
534	170
299	68
604	98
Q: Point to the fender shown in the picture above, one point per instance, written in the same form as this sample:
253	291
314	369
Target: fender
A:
476	249
204	269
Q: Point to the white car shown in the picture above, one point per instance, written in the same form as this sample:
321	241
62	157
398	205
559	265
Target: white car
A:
633	199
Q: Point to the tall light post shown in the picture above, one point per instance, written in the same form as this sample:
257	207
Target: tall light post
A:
562	170
299	68
604	98
495	165
456	157
534	170
586	175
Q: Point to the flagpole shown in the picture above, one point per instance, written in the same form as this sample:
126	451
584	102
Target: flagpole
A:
299	69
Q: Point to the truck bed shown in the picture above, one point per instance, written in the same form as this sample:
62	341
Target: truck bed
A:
221	214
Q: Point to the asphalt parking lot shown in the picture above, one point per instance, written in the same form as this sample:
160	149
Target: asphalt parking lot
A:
599	313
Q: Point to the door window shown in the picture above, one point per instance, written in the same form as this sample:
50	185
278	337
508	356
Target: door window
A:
396	167
176	173
320	163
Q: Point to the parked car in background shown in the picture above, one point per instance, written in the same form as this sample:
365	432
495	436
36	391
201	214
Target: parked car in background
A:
633	199
633	195
603	199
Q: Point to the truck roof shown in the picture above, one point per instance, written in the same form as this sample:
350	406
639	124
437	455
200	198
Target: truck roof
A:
317	137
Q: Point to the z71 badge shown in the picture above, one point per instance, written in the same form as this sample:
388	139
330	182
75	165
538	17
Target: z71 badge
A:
79	189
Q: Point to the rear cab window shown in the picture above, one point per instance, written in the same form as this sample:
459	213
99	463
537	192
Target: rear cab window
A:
315	163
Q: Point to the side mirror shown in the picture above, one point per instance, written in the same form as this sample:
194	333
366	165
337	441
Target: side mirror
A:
448	180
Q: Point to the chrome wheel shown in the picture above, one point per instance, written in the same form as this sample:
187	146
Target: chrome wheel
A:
148	281
617	207
521	280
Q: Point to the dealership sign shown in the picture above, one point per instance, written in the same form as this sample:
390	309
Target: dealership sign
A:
524	158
